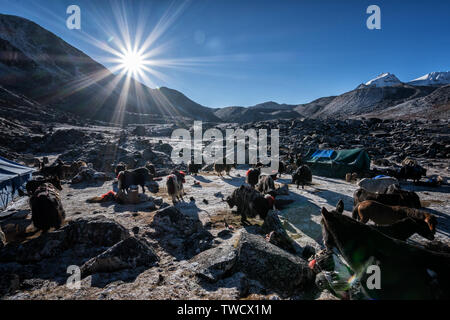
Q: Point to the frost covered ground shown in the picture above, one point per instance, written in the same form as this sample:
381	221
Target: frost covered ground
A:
174	278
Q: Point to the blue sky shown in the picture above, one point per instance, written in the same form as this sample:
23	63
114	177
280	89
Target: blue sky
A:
244	52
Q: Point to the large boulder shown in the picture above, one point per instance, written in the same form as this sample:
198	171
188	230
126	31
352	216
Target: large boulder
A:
93	232
216	263
181	234
276	234
61	139
271	266
97	231
129	253
171	219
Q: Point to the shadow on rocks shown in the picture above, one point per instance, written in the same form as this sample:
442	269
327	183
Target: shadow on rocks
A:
179	234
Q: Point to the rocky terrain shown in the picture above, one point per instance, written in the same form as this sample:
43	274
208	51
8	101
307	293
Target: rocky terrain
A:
198	249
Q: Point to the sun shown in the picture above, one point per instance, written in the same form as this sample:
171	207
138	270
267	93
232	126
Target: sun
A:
132	61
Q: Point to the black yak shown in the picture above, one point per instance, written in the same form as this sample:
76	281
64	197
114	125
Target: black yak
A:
414	173
32	185
266	185
250	203
46	208
302	176
136	177
252	176
119	168
194	168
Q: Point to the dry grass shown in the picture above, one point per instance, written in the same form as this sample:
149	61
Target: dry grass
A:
221	216
427	203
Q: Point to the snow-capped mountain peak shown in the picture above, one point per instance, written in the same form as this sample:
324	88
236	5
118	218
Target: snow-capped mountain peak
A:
433	78
383	80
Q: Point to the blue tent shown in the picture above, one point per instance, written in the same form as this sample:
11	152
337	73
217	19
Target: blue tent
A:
12	177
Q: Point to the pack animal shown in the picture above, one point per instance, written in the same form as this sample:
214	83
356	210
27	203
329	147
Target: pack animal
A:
405	228
119	168
32	185
175	187
302	176
75	168
266	185
414	173
137	177
252	176
221	167
407	271
56	169
46	208
194	168
250	203
377	185
403	198
382	214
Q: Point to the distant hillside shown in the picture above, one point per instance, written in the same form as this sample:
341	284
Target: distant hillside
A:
36	63
264	111
433	106
369	100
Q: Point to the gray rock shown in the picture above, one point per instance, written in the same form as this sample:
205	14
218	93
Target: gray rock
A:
158	201
97	231
275	268
170	218
283	191
129	253
277	235
153	186
216	263
192	238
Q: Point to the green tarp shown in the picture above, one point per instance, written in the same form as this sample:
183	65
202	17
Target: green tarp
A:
337	163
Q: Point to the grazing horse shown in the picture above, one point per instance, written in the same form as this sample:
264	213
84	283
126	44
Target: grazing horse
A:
405	228
382	214
402	198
